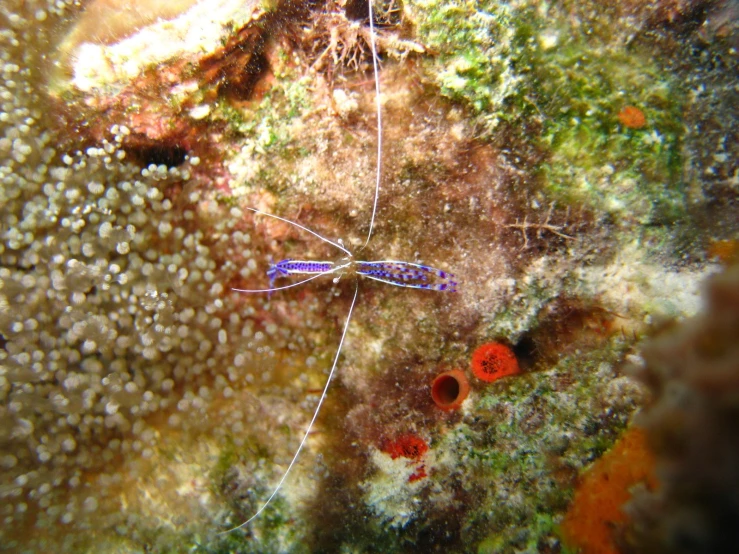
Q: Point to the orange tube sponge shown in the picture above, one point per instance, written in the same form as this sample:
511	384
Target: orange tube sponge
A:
494	360
450	389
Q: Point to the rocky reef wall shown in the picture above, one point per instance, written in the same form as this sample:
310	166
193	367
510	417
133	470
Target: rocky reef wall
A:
574	166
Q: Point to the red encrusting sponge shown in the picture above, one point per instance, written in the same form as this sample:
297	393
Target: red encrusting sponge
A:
411	447
494	360
408	446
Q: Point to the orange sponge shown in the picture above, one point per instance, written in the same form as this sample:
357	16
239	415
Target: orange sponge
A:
596	508
494	360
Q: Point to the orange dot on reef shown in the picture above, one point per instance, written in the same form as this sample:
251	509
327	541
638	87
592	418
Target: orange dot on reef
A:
449	389
725	251
494	360
632	117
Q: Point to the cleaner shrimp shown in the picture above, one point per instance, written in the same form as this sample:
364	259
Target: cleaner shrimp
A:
393	272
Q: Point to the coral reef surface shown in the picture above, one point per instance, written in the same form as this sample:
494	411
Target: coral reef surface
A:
573	165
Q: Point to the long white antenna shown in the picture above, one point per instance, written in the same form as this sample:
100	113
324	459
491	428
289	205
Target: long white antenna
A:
312	421
324	239
378	104
286	286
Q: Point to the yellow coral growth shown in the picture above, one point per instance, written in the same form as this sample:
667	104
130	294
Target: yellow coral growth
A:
596	508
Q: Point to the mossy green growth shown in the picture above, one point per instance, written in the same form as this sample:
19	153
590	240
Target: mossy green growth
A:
270	132
527	63
274	527
472	40
578	83
542	528
523	432
276	532
581	87
268	124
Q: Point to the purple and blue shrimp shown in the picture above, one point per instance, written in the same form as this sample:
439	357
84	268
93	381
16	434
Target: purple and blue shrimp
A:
392	272
296	267
408	275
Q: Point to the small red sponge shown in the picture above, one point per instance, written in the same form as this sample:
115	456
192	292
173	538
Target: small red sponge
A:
494	360
411	447
408	446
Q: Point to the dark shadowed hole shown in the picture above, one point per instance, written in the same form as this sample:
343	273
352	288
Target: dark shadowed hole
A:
356	10
526	352
241	84
169	155
446	389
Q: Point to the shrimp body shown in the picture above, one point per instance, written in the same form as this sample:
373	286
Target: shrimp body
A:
392	272
409	275
287	267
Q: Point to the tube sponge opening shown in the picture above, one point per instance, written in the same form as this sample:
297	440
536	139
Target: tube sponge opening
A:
450	389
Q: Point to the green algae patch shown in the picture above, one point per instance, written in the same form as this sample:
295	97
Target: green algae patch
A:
542	529
524	442
596	158
275	532
270	130
473	46
563	88
268	122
